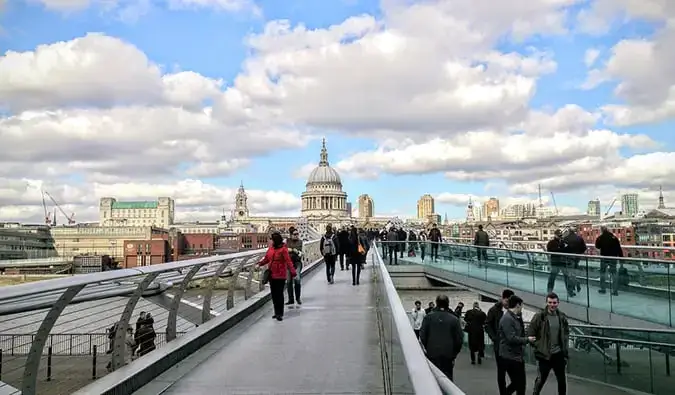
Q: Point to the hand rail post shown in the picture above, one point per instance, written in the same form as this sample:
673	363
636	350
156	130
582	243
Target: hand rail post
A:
175	302
119	342
30	372
211	284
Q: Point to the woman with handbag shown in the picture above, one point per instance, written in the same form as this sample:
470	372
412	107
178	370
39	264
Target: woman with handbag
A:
279	262
358	249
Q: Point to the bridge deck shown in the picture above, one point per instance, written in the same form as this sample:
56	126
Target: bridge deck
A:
482	380
645	307
328	345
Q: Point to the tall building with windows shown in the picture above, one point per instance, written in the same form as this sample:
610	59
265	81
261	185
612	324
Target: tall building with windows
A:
629	204
491	208
159	213
593	207
366	206
425	207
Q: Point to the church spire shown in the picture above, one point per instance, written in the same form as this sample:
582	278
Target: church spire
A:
324	154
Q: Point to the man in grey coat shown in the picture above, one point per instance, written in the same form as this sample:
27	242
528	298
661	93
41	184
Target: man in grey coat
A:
512	342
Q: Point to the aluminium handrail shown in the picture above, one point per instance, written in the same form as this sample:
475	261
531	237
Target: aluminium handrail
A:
422	377
628	260
65	291
589	247
52	285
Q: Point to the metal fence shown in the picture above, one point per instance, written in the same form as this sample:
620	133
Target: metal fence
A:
54	333
70	344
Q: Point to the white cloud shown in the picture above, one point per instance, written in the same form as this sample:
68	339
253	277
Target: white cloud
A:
95	70
97	109
102	109
591	56
560	146
303	171
402	75
21	199
643	69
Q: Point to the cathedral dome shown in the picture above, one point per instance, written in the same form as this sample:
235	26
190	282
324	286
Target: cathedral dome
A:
323	174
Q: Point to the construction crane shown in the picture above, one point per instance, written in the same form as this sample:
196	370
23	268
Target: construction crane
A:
555	205
68	217
611	205
48	214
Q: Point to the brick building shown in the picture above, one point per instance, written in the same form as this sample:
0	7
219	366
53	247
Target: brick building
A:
196	243
146	252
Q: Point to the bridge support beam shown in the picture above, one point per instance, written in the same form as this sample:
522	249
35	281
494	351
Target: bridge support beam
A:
208	293
119	348
30	372
175	302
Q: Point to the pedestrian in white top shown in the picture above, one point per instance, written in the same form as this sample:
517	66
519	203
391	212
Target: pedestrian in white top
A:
418	314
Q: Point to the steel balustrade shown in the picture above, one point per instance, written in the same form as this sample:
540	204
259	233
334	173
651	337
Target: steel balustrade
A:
70	303
423	376
659	252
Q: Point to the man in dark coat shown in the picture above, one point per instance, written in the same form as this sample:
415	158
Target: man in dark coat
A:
441	336
475	322
343	242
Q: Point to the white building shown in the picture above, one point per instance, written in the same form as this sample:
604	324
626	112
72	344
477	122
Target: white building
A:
159	213
324	201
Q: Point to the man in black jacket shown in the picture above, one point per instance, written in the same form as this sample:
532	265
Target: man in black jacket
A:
343	241
610	249
441	336
435	237
481	239
575	244
492	328
557	246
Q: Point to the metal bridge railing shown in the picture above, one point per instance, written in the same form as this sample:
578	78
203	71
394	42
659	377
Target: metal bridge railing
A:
43	351
618	280
404	362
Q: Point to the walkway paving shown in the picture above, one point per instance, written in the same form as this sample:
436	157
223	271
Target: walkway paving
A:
482	380
69	373
645	307
328	345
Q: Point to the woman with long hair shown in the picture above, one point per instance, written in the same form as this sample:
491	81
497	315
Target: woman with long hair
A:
279	263
294	245
358	248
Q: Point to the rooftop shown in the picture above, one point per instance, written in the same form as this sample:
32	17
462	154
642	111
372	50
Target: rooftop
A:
134	205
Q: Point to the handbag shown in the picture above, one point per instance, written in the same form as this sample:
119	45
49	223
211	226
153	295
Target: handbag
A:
266	276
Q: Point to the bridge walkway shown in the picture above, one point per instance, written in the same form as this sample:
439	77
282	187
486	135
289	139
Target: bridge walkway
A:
482	380
329	344
650	308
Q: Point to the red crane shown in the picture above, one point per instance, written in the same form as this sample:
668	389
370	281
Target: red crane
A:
48	219
68	217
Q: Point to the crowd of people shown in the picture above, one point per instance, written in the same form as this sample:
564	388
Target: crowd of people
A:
440	331
283	259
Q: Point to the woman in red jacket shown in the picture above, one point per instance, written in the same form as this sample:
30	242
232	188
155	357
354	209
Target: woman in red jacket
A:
279	264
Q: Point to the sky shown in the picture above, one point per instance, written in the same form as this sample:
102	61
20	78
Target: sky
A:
455	98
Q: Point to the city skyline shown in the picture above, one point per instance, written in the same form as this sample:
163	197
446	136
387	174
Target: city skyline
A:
188	99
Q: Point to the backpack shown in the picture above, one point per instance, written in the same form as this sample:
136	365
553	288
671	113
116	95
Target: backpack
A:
329	245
